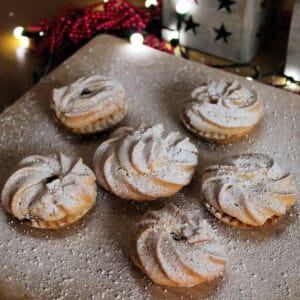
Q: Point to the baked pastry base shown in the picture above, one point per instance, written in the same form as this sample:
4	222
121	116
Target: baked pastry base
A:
68	220
216	137
234	221
95	127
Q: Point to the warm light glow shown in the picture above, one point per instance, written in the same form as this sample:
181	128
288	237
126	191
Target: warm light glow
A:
105	1
20	53
293	72
249	78
169	34
136	39
172	35
288	82
18	32
182	7
149	3
24	41
293	87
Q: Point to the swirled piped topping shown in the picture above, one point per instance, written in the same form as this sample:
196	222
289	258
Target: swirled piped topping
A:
250	189
222	109
145	164
87	94
177	249
49	191
90	101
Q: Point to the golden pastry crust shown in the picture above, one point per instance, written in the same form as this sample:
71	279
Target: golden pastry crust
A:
248	191
146	163
222	112
89	105
49	192
177	249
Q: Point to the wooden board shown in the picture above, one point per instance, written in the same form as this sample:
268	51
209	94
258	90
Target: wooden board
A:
90	260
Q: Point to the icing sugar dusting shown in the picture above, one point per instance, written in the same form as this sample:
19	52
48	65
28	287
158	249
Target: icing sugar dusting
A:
146	163
88	94
49	191
250	187
89	259
224	104
177	249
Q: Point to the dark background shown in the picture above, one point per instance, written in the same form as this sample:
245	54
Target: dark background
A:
16	73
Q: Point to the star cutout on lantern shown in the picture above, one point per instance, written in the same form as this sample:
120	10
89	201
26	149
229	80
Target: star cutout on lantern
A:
225	4
191	25
222	33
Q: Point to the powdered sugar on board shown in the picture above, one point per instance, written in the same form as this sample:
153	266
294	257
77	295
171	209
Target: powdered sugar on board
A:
90	260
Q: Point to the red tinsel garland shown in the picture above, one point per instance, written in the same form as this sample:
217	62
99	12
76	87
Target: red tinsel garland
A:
76	26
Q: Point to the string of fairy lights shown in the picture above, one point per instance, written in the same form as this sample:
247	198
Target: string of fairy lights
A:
135	38
182	7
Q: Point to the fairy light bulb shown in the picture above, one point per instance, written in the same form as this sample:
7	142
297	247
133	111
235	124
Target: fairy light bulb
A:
149	3
173	35
24	41
293	87
288	82
293	72
18	32
136	39
182	7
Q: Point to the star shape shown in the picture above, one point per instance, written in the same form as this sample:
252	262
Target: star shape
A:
225	4
191	25
222	33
